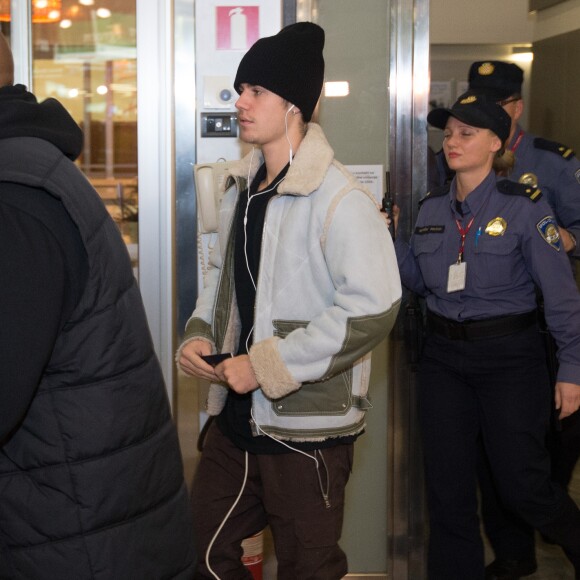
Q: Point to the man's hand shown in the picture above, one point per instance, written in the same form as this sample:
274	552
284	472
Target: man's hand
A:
238	373
567	398
191	363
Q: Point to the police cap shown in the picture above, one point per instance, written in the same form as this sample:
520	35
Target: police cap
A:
475	109
497	78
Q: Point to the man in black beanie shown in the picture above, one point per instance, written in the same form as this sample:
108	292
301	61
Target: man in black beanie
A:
302	284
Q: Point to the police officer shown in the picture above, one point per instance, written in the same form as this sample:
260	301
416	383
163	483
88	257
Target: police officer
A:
554	168
479	249
551	166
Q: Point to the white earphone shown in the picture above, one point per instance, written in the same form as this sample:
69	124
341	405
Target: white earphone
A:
291	153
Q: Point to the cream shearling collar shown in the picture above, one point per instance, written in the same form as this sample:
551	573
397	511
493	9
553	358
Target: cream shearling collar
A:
308	168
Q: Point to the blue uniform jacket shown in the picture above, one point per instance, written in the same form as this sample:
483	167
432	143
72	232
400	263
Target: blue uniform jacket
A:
512	246
557	173
551	166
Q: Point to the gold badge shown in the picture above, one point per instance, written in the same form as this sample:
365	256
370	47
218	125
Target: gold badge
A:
529	179
496	227
467	100
486	69
552	234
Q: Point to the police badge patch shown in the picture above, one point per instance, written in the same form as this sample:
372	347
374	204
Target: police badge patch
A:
548	229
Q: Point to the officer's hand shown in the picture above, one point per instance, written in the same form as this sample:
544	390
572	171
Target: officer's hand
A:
396	214
238	373
567	240
191	363
392	218
567	398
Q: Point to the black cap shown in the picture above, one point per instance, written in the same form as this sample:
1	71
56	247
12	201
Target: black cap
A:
289	64
477	110
497	78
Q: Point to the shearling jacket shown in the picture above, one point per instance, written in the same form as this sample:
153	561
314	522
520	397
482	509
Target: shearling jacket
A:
327	293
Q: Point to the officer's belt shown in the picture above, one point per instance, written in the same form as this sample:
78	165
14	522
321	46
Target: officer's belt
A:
476	329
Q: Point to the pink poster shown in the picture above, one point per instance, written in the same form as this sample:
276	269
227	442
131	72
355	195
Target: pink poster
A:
238	27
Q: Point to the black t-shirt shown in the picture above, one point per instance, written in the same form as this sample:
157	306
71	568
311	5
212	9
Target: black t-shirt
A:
234	420
43	270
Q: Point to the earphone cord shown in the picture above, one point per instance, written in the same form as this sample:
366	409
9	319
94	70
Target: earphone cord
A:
291	154
250	197
225	520
324	491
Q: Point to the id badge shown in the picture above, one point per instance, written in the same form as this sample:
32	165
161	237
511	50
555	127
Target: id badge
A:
456	278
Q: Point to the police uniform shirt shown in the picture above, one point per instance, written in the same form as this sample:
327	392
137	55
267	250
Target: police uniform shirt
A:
513	243
556	171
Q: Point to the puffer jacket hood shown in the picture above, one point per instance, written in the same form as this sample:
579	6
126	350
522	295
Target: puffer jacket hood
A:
21	115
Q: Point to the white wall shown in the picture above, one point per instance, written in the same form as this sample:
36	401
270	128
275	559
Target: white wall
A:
465	31
497	22
214	65
557	20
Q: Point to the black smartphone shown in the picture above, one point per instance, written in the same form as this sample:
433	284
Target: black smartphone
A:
216	359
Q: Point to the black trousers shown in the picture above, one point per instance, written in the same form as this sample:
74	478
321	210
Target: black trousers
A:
283	491
495	389
511	537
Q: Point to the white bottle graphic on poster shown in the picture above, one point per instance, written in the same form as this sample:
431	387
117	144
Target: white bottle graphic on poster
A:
237	29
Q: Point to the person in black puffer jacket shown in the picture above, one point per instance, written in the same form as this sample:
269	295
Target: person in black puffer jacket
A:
91	474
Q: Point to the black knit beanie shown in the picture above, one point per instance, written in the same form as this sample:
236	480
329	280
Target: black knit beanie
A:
289	64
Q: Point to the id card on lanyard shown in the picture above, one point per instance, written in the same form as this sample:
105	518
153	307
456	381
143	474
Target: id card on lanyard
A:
458	272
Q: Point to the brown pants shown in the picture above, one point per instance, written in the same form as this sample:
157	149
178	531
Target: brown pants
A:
283	491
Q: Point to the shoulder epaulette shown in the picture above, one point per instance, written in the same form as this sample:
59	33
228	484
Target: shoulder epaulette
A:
508	187
554	147
436	192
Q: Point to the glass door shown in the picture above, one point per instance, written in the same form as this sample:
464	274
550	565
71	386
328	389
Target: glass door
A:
84	54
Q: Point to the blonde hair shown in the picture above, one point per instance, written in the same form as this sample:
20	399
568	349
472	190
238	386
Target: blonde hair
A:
504	162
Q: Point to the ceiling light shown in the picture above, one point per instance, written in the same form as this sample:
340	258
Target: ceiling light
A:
42	10
336	89
103	13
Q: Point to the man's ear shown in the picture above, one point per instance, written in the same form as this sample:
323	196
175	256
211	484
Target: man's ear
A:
519	109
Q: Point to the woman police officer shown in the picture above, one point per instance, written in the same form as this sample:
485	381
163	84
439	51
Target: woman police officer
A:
480	250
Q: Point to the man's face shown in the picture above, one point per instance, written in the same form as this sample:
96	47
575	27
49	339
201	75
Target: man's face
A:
261	115
514	107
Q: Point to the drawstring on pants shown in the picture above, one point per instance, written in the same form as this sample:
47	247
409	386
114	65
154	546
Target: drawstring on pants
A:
323	491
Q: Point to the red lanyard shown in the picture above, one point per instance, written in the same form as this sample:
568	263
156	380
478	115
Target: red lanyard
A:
518	141
463	231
